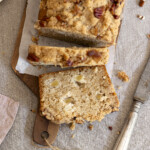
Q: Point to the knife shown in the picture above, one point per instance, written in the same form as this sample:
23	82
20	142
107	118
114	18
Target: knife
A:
142	94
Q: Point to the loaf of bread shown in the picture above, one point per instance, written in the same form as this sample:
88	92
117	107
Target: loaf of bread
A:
87	22
67	57
77	95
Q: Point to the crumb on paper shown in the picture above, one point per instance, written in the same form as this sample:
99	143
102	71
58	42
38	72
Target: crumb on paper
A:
118	132
35	39
141	3
110	128
90	127
118	87
33	110
114	62
141	17
72	126
73	135
148	36
123	76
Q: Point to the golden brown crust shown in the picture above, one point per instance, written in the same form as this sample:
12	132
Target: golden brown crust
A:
67	57
83	20
68	107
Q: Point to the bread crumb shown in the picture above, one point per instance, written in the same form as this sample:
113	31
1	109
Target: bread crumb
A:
118	87
110	128
72	126
35	39
73	135
148	36
33	110
90	127
123	76
141	3
118	132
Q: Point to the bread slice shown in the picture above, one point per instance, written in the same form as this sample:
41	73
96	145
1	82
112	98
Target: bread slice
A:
67	57
93	23
76	95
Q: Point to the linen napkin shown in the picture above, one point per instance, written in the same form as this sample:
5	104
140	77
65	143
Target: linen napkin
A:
8	111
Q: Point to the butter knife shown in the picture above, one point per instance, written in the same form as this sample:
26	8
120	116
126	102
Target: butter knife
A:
142	94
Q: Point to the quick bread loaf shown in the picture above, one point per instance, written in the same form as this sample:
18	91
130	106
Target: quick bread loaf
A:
87	22
77	95
67	57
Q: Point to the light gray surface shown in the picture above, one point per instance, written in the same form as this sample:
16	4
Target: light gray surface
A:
131	54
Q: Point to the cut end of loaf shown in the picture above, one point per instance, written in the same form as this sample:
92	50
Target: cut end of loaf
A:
77	95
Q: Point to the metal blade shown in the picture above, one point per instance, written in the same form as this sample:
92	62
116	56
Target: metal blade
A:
143	90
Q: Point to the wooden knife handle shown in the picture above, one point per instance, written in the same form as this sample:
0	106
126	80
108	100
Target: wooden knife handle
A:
124	138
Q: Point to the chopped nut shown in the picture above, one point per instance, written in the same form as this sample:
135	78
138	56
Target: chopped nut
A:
141	17
32	57
94	53
54	83
69	63
90	127
141	3
148	36
123	76
73	135
98	12
72	126
110	128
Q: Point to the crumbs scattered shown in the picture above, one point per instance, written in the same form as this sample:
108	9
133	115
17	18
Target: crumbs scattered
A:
148	36
33	110
90	127
110	128
118	132
73	135
72	126
35	39
141	17
141	3
118	87
123	76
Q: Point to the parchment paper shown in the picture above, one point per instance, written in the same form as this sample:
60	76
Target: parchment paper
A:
8	111
23	66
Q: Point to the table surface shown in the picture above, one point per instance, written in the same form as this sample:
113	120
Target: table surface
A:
20	135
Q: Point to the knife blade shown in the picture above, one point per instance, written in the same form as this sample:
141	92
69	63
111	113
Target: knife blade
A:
143	90
141	95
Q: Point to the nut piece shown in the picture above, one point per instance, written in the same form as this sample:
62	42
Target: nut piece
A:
123	76
32	57
54	83
141	3
110	128
94	53
90	127
98	12
141	17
